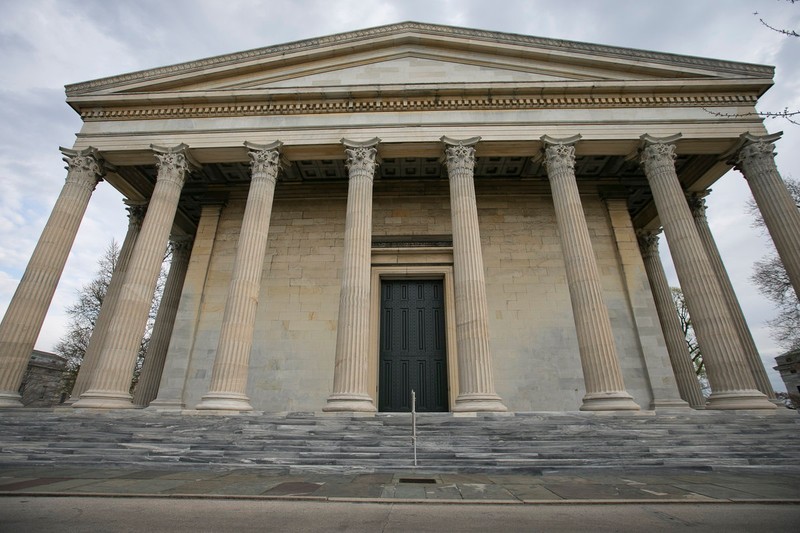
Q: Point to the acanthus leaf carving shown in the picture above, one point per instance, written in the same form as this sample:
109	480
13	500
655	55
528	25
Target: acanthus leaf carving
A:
559	156
648	242
266	163
755	151
460	158
172	166
361	160
657	154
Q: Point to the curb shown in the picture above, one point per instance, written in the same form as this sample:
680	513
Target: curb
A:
410	501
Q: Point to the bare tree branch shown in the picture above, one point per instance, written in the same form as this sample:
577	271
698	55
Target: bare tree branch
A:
790	33
772	281
790	116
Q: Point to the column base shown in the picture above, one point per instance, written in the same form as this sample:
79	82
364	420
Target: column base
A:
609	401
10	399
479	403
104	400
224	401
742	399
660	405
356	403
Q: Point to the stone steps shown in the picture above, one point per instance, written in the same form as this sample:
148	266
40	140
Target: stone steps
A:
488	443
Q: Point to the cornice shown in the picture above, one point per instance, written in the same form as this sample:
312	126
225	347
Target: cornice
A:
746	69
422	103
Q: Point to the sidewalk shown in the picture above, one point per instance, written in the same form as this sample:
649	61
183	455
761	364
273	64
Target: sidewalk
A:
640	485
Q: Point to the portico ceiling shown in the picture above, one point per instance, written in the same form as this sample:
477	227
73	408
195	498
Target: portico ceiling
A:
326	177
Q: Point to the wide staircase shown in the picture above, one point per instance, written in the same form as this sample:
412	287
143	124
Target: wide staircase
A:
522	442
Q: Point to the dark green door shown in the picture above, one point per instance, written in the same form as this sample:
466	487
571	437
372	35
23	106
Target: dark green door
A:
412	354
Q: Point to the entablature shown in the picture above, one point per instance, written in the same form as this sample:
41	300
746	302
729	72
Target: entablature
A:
420	97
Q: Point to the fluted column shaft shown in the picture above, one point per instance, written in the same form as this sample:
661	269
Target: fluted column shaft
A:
136	213
350	373
111	380
698	207
232	362
150	377
476	390
27	310
605	389
731	382
655	357
682	367
181	343
781	215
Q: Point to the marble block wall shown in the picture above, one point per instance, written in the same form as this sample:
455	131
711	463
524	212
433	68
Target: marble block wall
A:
532	334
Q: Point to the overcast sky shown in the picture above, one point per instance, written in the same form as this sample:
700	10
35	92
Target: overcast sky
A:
46	44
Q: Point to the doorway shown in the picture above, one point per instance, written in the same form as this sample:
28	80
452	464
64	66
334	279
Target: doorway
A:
413	354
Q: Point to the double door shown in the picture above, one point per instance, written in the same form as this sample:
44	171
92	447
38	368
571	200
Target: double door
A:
412	346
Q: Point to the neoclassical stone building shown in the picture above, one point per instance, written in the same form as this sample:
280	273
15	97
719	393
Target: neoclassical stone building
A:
468	214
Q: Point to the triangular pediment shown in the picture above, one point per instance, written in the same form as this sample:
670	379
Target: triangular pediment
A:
401	70
413	54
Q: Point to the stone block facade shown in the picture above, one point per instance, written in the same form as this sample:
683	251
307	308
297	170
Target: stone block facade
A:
532	338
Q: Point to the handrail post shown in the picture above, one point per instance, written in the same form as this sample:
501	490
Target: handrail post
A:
414	424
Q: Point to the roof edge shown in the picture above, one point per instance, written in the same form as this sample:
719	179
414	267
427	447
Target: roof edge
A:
749	69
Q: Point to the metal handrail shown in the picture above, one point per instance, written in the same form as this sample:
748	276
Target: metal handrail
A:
414	424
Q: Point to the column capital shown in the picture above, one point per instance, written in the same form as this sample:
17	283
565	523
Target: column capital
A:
648	241
173	162
559	153
459	154
697	204
751	147
548	141
265	159
362	156
136	211
180	244
756	148
657	151
84	167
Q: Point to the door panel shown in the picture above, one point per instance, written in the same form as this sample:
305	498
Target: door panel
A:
412	346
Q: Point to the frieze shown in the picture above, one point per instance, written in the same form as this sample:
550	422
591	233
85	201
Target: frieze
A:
408	104
495	37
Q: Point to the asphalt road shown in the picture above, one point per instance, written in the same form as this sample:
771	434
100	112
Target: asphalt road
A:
33	514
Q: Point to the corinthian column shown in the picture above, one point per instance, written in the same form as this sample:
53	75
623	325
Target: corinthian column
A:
475	378
136	212
231	364
150	377
698	207
756	160
350	372
26	312
682	367
111	381
181	343
732	384
605	389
